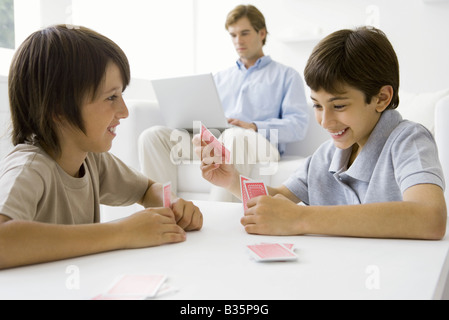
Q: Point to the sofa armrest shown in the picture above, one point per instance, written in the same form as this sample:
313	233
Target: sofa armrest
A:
142	115
442	136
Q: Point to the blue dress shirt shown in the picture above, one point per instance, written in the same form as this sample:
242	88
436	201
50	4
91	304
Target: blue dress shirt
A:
268	94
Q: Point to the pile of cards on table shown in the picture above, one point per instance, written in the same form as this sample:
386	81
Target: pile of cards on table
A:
272	252
136	287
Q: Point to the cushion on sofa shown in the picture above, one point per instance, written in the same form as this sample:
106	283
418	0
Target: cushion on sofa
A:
420	107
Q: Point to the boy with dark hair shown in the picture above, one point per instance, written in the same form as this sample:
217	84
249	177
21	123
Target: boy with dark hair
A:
65	89
379	175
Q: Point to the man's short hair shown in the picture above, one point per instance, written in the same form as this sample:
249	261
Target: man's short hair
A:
253	14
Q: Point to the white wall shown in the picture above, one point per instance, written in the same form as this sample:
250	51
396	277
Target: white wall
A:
178	37
417	30
5	144
156	35
164	38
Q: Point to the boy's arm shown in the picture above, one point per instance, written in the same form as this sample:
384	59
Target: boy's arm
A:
228	177
283	191
26	242
421	215
152	196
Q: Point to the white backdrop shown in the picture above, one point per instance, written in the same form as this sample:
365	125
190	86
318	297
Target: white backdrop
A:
164	38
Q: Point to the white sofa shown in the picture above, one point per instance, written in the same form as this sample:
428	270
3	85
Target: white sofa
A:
191	185
430	109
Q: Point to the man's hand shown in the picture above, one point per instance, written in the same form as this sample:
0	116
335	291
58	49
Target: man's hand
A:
242	124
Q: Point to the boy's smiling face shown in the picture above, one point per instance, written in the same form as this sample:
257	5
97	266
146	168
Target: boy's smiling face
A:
347	116
100	117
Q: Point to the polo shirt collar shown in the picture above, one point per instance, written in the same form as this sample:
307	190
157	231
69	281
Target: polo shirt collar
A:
364	164
262	62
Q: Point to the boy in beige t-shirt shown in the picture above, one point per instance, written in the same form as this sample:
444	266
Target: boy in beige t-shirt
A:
36	188
65	90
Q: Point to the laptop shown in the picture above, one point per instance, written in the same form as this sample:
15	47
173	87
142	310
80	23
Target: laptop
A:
184	100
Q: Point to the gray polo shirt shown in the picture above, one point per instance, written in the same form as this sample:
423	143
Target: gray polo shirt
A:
398	154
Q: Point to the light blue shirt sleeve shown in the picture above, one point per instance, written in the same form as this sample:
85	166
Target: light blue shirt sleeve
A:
268	94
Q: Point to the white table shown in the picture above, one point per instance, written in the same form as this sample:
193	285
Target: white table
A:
214	264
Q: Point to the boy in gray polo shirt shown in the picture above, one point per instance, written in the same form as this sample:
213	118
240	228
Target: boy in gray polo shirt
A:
379	175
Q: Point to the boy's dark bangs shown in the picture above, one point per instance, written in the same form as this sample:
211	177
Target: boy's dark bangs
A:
325	78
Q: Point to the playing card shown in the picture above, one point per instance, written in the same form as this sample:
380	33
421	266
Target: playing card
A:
289	246
219	148
133	287
255	188
271	252
243	192
166	195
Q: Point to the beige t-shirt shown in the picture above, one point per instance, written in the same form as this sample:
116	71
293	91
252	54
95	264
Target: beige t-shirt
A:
34	187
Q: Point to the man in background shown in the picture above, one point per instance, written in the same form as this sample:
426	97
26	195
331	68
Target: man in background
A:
263	100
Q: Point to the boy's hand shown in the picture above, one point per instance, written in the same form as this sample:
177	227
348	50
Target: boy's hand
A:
213	167
272	216
187	215
150	227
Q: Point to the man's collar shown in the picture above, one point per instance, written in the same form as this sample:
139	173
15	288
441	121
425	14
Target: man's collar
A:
260	63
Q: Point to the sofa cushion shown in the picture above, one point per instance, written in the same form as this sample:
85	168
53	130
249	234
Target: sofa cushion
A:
190	179
287	166
420	107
